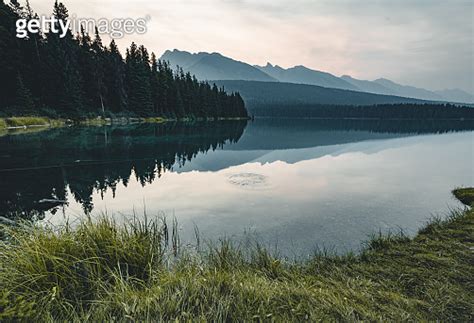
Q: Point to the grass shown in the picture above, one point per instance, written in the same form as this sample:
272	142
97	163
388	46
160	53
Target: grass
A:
103	271
465	195
155	120
10	123
13	123
26	121
94	122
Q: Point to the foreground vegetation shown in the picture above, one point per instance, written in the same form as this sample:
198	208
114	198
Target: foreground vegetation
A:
104	271
465	195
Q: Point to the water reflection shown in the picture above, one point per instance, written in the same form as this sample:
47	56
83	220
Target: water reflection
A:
39	167
296	183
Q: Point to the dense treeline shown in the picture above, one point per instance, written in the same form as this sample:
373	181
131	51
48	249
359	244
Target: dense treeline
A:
272	99
78	76
303	127
299	133
408	111
258	93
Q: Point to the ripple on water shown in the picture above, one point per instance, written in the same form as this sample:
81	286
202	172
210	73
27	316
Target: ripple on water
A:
249	180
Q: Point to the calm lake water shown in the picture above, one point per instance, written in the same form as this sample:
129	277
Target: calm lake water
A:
292	184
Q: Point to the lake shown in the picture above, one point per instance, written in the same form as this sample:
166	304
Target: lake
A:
294	185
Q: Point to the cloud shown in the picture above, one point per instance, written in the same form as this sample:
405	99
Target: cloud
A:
426	43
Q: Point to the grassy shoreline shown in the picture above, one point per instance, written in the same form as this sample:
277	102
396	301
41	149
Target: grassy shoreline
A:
27	122
103	271
21	123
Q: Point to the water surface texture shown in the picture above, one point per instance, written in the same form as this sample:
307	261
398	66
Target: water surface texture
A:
293	184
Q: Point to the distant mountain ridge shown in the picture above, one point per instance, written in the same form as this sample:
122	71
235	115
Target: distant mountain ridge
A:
367	86
409	91
303	75
456	95
388	87
214	66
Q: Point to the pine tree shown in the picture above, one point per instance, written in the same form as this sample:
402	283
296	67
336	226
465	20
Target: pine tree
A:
24	104
10	55
63	86
31	57
155	84
98	59
138	81
115	79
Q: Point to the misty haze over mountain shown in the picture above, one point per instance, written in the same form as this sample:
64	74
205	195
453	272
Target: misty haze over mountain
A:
303	75
214	66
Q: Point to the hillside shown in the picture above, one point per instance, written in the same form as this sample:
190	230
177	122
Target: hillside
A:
257	93
408	91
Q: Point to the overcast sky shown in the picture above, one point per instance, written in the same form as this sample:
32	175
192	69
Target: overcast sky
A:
425	43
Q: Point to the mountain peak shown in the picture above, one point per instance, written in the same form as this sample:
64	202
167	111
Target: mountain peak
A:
384	80
302	75
177	51
215	66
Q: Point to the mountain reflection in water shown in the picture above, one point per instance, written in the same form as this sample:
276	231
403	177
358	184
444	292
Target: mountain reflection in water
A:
227	176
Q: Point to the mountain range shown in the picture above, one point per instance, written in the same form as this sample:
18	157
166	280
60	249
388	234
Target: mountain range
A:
303	75
214	66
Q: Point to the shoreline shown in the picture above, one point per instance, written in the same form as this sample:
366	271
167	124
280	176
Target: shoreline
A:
369	119
102	271
10	124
